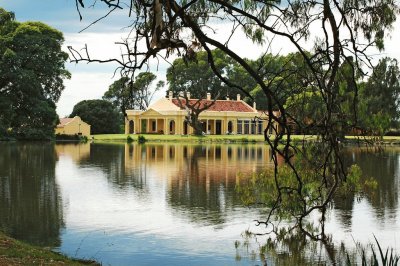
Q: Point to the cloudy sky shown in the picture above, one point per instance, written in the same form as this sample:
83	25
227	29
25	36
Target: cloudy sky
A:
90	81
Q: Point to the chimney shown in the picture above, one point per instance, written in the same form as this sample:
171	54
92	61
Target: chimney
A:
254	106
181	94
208	96
170	95
188	95
227	98
238	97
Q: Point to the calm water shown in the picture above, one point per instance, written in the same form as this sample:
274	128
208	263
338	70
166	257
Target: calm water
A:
165	204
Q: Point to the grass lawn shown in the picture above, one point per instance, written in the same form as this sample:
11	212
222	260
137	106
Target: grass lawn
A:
180	138
13	252
191	138
219	138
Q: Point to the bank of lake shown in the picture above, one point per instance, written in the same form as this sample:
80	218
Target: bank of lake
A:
14	252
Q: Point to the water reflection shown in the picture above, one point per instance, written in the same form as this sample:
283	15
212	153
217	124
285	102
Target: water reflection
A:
30	205
126	202
111	160
382	202
201	178
384	166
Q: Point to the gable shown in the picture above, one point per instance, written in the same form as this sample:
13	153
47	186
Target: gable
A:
163	105
150	112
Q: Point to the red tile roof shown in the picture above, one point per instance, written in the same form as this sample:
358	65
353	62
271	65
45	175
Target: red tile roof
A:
219	105
64	121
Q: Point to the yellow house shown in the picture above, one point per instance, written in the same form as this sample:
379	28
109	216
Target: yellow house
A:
73	126
166	116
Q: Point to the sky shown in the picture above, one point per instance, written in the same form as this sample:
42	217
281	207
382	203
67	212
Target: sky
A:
90	81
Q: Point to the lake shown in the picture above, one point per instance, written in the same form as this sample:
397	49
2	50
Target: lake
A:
166	203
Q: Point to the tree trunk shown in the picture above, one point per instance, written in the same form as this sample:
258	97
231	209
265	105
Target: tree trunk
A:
196	124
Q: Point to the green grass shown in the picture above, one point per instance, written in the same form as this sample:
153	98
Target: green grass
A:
191	138
13	252
181	138
221	138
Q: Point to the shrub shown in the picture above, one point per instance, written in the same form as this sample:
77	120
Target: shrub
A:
64	137
141	139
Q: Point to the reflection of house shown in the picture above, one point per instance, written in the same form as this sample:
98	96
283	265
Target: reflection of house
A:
166	116
207	161
76	151
73	126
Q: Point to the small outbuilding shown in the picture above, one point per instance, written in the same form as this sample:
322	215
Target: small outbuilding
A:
73	126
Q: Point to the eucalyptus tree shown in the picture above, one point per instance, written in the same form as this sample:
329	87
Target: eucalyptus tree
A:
125	94
379	98
196	78
330	30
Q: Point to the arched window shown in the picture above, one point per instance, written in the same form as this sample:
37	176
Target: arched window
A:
172	127
131	127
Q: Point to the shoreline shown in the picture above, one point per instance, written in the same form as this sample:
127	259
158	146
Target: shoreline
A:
372	141
151	138
16	252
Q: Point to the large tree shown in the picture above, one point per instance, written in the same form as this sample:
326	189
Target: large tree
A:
31	77
125	94
379	98
346	27
197	77
100	114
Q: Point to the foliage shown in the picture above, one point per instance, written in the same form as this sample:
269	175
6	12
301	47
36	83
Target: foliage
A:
100	114
379	98
125	94
197	77
31	77
307	109
141	139
76	137
265	187
129	139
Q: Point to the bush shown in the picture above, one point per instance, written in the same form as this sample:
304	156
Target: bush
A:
141	139
129	139
393	132
64	137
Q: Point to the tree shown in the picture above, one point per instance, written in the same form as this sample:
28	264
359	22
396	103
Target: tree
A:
197	77
31	77
100	114
193	108
125	94
347	27
307	109
379	98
